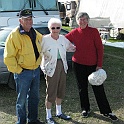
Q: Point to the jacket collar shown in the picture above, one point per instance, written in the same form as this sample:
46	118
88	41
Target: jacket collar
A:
22	31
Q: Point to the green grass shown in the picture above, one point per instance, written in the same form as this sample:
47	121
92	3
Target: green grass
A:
114	87
118	52
67	28
115	40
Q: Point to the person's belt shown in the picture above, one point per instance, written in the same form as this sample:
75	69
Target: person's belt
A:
28	69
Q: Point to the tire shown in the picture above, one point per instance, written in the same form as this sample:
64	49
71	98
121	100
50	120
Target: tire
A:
11	82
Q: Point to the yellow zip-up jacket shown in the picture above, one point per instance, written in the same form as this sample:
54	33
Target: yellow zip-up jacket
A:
19	51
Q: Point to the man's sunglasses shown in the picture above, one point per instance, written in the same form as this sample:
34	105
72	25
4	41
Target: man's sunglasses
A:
53	28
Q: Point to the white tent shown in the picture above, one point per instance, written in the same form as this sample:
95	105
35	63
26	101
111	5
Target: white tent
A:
103	13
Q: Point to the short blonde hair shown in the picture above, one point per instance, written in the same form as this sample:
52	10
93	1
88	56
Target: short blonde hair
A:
54	21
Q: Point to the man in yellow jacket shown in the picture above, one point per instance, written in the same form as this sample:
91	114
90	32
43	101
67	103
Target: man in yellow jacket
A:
22	57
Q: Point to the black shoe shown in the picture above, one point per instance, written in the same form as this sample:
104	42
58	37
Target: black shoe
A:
64	117
85	113
111	116
37	122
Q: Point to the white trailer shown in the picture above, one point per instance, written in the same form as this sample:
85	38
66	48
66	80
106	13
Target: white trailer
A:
43	10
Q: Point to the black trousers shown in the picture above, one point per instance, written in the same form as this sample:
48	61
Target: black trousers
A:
82	72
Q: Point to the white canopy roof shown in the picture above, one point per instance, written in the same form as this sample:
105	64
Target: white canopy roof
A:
104	12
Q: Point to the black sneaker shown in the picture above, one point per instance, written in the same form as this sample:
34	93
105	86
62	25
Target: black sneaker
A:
111	116
64	117
85	113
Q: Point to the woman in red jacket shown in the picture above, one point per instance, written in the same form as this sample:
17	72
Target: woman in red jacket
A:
88	58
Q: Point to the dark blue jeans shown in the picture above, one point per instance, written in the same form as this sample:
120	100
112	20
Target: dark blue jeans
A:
27	87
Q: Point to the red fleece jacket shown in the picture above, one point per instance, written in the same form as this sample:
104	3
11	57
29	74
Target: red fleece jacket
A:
89	48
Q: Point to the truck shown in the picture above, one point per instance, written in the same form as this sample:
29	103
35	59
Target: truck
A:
67	10
42	10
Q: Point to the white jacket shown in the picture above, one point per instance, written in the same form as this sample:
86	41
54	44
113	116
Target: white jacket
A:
49	52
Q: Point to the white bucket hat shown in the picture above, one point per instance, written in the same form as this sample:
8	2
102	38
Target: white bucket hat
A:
98	77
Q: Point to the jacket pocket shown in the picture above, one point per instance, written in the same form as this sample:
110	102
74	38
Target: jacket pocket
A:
27	59
21	60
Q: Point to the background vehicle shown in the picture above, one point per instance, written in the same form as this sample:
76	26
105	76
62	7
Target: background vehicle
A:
6	77
67	10
43	10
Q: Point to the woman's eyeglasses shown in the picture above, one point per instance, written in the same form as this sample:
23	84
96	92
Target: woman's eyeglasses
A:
53	28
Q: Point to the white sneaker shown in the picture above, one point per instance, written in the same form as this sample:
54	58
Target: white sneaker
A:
50	121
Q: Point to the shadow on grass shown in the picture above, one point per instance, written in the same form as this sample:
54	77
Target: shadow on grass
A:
114	87
71	121
7	100
100	117
75	122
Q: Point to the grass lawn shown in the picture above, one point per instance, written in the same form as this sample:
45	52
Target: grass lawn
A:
114	87
115	40
66	28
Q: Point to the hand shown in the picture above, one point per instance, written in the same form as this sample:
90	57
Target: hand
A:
74	48
71	48
97	68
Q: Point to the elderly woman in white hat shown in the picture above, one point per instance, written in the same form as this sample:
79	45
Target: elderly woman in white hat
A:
54	66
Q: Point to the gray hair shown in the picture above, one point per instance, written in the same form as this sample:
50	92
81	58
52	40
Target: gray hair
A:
54	21
82	14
